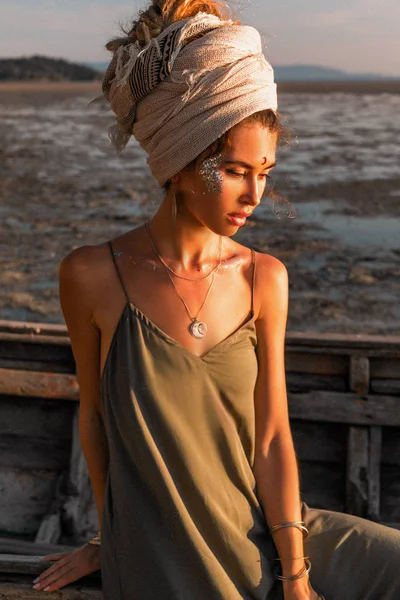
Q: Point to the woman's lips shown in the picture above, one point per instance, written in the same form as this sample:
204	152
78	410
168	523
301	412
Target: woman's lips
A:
238	219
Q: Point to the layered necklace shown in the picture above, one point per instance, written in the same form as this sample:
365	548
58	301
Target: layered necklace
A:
197	328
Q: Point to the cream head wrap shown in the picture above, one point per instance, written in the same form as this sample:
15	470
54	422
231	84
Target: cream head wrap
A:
198	78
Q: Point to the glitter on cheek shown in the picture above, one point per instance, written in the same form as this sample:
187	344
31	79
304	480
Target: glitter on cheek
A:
213	179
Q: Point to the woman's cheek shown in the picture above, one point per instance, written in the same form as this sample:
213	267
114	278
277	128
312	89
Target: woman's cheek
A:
212	177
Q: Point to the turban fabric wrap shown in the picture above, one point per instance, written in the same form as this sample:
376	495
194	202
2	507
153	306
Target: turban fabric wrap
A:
198	78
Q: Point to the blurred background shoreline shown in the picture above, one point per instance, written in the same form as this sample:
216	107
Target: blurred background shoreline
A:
62	187
384	86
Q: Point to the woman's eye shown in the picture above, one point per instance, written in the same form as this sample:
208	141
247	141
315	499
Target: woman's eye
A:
235	173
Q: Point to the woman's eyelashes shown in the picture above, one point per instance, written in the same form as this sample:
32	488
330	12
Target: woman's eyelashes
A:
236	174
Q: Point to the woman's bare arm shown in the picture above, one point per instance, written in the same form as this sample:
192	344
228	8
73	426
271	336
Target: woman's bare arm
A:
275	466
78	288
77	281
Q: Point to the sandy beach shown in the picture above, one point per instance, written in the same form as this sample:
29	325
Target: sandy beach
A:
61	189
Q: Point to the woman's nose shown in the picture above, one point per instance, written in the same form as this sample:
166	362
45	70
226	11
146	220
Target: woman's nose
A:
253	193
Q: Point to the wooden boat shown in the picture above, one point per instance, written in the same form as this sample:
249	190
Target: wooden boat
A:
344	401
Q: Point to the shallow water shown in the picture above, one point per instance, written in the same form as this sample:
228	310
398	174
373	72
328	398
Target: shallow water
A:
342	137
62	187
372	233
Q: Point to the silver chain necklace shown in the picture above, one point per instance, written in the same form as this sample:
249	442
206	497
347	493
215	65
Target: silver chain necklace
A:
147	229
197	329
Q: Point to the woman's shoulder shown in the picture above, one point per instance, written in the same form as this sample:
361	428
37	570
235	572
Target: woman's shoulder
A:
93	259
267	264
271	285
81	262
270	265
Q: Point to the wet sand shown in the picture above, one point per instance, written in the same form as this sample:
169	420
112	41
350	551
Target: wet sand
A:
295	87
52	203
352	87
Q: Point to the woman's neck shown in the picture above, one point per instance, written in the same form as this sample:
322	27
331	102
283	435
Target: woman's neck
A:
183	240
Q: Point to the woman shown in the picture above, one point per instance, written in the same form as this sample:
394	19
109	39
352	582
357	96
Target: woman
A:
178	336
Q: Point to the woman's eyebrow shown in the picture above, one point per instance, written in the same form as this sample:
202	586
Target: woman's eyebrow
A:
246	165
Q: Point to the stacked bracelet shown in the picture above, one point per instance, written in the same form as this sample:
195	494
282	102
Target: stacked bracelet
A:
298	524
96	540
303	573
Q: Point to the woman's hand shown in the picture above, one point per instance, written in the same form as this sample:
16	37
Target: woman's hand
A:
300	590
69	567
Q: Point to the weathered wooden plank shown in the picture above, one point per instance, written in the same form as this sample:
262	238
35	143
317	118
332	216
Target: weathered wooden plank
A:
317	367
390	446
390	493
345	408
320	442
30	564
317	405
79	509
373	349
18	587
51	366
322	485
27	497
386	386
345	340
305	382
33	338
44	385
50	528
32	454
9	326
362	474
359	375
18	547
18	572
46	354
314	363
40	417
35	435
301	339
357	471
387	367
374	473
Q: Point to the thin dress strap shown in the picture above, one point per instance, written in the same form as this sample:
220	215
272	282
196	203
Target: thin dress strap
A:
253	262
118	271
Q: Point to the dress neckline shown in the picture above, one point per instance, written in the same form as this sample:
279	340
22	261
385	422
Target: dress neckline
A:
175	342
134	310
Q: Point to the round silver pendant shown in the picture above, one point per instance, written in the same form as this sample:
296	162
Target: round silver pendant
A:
198	329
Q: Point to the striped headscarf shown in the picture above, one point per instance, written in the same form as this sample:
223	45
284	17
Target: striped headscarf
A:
181	91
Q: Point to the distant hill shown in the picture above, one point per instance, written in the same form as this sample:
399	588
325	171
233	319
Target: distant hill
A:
99	66
302	73
317	73
43	68
56	69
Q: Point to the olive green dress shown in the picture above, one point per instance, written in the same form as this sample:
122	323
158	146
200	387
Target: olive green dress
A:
181	517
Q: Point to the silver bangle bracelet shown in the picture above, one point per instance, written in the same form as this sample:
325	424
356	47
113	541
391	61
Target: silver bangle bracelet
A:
300	575
297	524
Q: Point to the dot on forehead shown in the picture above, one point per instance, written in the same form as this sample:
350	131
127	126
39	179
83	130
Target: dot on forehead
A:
252	146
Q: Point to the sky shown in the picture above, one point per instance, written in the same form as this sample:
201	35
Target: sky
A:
358	36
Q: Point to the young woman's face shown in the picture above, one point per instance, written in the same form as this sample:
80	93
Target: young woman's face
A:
225	190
